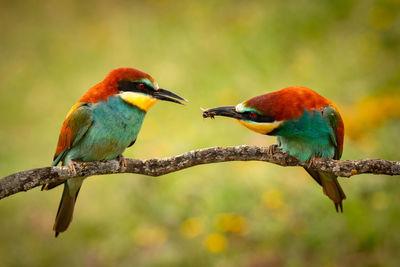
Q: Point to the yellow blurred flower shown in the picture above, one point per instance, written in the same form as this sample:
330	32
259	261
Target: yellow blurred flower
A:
192	227
232	222
149	236
370	113
273	199
215	243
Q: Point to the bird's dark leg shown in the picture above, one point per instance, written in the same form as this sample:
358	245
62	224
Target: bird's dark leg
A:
122	161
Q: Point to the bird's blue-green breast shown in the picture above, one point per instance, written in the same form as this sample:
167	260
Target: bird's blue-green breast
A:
306	137
116	124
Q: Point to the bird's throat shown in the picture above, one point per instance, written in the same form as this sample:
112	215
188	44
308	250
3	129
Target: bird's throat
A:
142	101
262	127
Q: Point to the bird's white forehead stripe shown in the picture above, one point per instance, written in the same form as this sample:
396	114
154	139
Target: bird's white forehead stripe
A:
239	107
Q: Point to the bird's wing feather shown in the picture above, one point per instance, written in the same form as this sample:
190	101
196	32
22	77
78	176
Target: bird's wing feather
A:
328	181
132	143
75	126
335	121
78	121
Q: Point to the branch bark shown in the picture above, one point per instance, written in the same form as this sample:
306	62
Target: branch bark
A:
26	180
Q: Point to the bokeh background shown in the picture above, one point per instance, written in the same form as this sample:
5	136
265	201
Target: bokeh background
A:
212	53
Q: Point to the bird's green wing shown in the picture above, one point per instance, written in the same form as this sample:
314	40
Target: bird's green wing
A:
336	136
329	182
75	126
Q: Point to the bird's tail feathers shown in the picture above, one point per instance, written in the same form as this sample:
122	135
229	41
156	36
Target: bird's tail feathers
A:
331	187
333	190
66	208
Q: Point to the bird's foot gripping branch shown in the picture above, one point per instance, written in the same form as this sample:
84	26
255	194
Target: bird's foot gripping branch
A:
26	180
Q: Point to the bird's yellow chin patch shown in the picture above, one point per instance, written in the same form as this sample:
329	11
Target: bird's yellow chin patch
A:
142	101
260	127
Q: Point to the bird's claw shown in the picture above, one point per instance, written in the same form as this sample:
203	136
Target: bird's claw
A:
271	150
312	161
122	161
71	165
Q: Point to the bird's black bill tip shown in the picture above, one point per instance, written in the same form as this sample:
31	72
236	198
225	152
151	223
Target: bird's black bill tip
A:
228	111
166	95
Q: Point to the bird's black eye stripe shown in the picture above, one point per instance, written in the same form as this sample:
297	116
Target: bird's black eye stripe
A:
253	116
127	86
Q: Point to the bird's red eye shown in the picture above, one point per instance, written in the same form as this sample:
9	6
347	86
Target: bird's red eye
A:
252	114
141	86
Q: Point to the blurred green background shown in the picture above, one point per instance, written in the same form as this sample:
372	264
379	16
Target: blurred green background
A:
212	53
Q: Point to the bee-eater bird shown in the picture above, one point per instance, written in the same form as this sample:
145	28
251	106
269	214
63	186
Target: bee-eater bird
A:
104	122
306	124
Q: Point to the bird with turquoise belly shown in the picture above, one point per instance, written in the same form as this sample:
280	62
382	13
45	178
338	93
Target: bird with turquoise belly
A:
101	125
307	126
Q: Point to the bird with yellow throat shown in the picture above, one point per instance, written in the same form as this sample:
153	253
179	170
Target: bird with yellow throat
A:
101	125
307	126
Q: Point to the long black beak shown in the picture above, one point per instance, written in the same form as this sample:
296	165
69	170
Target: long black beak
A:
166	95
229	111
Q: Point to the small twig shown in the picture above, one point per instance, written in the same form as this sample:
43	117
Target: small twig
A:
26	180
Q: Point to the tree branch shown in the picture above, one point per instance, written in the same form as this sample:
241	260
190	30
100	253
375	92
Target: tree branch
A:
26	180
